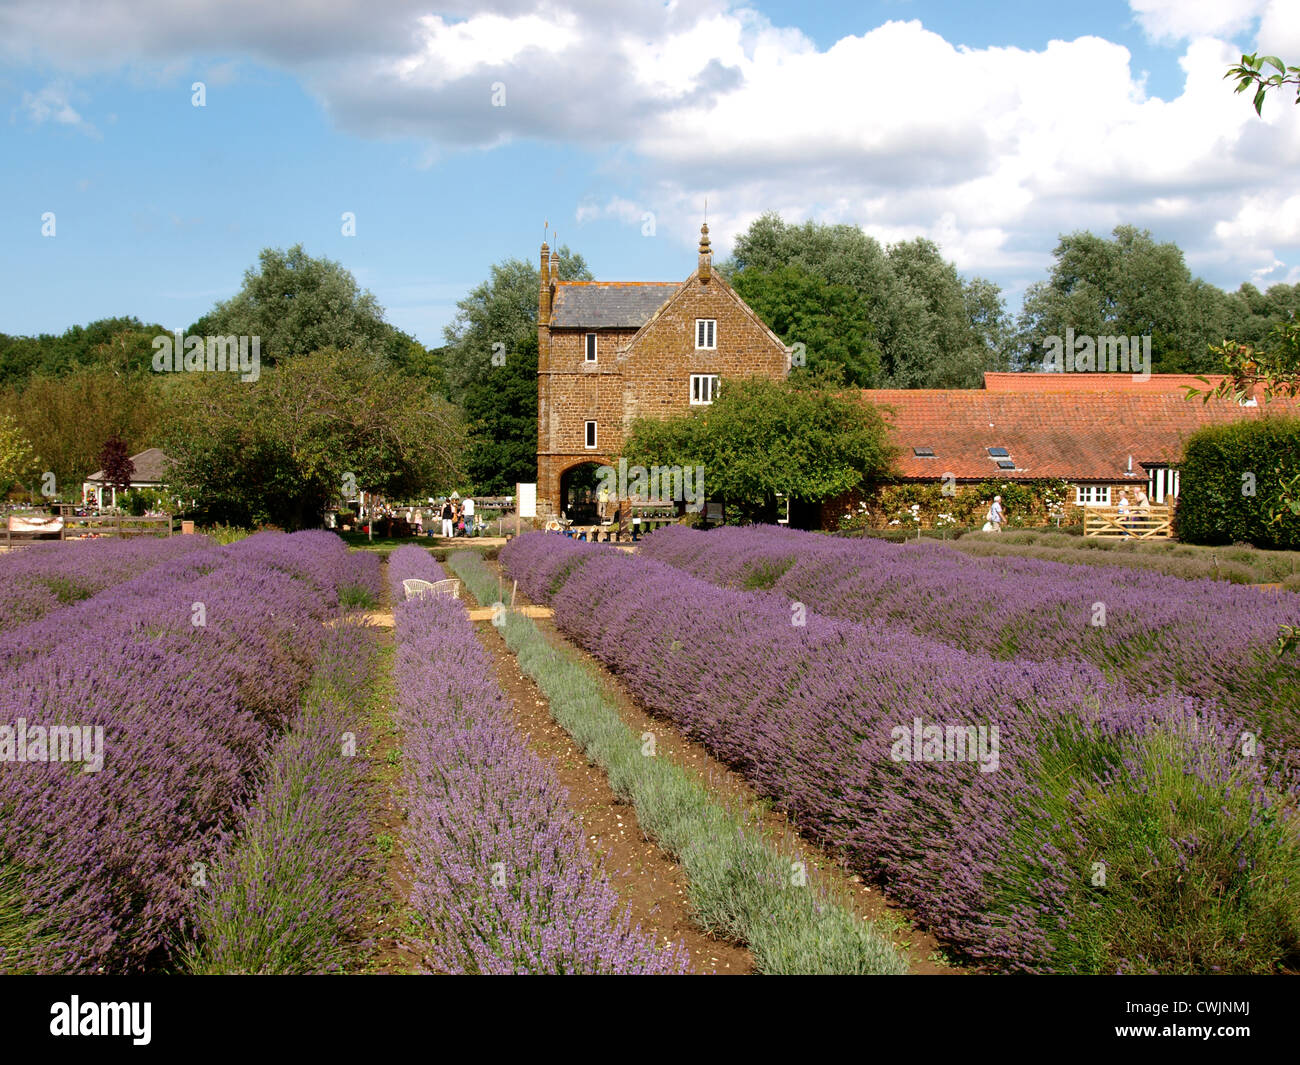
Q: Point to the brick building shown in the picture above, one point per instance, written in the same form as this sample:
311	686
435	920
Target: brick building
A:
611	352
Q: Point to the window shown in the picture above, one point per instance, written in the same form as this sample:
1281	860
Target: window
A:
923	452
1097	495
706	330
704	388
998	452
1006	464
591	347
591	435
1162	483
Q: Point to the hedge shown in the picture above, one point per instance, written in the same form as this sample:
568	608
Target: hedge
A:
1216	504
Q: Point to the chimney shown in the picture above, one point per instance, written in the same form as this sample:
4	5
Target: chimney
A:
555	269
706	254
544	296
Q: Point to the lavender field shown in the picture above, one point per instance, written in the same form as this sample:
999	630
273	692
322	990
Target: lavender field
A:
1131	814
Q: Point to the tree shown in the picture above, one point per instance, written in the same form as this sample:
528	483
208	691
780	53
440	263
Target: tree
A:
16	456
282	449
803	439
298	304
501	415
932	328
115	461
831	321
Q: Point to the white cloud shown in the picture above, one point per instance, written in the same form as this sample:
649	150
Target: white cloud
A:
53	104
992	152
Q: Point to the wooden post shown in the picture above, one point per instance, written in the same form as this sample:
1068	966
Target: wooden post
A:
513	590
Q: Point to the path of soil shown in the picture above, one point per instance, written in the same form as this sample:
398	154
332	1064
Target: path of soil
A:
925	953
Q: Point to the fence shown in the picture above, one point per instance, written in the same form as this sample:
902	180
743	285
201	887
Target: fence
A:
1151	524
107	525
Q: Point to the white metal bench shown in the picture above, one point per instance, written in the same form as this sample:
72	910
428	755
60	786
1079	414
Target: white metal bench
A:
413	588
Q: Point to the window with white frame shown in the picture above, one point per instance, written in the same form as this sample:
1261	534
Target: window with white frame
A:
706	334
591	435
591	347
1162	483
704	388
1096	495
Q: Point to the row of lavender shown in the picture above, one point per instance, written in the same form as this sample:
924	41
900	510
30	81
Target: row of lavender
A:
132	729
503	882
44	577
1207	639
1053	822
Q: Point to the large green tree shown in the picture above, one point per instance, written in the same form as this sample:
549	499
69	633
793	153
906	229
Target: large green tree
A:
17	459
280	450
805	439
933	329
299	304
831	321
501	416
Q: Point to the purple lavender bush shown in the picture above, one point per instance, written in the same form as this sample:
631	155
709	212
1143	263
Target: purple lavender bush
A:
176	682
1207	639
42	577
997	854
288	889
503	880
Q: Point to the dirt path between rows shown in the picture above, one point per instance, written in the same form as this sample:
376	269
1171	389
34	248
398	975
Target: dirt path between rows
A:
926	955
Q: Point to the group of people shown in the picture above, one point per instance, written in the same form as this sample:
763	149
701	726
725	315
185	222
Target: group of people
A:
457	516
1140	509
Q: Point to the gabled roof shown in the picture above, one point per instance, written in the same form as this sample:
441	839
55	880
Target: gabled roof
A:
608	304
1080	436
150	468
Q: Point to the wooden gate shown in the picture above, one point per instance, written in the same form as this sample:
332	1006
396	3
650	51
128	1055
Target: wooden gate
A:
1152	524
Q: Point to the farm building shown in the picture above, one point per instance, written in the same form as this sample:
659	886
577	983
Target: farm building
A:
150	472
611	352
1101	432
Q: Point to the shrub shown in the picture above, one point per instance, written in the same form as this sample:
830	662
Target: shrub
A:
1215	505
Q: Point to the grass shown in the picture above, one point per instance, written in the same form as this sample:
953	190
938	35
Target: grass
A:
741	885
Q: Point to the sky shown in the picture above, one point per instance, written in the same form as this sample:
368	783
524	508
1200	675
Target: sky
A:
453	134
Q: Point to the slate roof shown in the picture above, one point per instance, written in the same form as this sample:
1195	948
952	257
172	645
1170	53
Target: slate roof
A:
1080	436
150	468
608	304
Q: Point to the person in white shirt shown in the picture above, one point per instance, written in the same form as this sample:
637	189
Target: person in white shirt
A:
997	516
468	512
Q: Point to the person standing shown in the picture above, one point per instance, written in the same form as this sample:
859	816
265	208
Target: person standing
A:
448	513
997	515
1123	512
468	511
1142	507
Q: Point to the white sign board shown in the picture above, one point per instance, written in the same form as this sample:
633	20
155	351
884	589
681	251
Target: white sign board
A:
527	496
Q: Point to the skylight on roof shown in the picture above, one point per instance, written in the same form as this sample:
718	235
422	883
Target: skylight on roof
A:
998	452
1006	464
923	452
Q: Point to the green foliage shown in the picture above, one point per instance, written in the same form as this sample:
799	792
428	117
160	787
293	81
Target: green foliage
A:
831	321
1217	505
760	438
139	501
298	304
1250	72
933	330
17	460
276	451
501	414
116	344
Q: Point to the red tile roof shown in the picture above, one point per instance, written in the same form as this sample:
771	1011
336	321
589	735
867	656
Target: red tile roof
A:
1080	436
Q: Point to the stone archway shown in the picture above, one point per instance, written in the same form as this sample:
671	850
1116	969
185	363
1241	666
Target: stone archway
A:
578	485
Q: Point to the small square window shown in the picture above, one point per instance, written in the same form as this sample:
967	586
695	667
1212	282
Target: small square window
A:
923	452
591	435
591	347
998	452
704	388
706	334
1006	464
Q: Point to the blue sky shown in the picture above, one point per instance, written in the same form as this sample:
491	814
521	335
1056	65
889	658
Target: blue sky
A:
990	128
